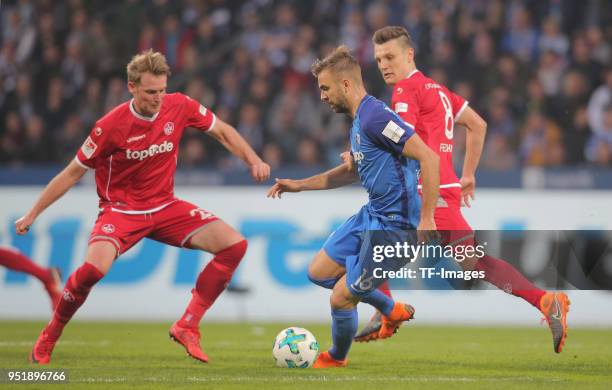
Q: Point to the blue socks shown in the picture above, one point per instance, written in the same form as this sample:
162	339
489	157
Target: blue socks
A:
380	301
344	327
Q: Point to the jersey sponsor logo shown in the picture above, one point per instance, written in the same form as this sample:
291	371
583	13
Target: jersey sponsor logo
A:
108	228
202	110
432	85
358	139
393	131
169	128
89	147
98	131
136	138
152	150
399	90
401	107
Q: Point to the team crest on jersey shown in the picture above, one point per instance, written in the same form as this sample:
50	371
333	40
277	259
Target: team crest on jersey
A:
108	228
168	128
89	147
98	131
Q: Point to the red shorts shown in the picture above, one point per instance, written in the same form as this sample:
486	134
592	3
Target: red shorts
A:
453	227
175	225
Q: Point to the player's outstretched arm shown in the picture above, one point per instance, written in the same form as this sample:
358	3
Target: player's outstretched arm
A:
416	149
52	192
229	137
339	176
475	136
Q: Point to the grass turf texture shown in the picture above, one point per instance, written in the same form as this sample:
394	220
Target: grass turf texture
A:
140	355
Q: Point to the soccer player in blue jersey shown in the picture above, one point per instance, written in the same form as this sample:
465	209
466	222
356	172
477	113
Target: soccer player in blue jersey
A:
387	156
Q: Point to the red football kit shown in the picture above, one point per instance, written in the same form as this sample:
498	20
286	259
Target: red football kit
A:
135	159
432	109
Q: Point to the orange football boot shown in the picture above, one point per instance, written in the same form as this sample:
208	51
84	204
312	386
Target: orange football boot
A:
324	360
555	306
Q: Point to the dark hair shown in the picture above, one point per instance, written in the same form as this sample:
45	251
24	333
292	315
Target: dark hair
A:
389	33
339	61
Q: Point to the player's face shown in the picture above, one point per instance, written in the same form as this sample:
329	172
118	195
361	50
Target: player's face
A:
149	93
393	60
332	92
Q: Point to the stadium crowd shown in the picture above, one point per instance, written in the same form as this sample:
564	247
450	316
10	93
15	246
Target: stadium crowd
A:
539	71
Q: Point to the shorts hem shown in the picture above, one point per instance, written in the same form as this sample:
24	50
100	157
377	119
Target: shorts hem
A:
187	240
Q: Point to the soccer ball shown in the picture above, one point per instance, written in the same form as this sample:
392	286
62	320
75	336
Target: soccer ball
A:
295	348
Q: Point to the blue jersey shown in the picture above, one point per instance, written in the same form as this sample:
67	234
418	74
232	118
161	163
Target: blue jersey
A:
378	136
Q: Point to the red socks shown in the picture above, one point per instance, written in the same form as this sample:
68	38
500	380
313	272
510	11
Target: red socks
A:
384	288
507	278
211	283
17	261
77	288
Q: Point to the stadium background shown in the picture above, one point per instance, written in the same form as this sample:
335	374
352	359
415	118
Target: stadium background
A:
538	71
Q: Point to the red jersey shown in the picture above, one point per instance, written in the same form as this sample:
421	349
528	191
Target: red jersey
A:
135	156
432	109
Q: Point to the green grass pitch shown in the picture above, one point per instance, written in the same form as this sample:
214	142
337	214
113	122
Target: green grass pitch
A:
140	355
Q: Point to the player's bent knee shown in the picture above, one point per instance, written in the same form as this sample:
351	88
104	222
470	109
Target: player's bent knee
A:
229	258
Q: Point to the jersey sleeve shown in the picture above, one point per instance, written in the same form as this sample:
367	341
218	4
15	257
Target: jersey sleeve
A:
386	128
98	144
458	104
405	104
199	116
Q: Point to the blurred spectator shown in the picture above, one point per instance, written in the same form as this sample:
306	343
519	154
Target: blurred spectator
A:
552	39
601	98
498	153
541	143
599	149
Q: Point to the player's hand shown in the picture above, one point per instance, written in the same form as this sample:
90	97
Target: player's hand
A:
347	158
468	186
22	225
283	185
426	231
260	171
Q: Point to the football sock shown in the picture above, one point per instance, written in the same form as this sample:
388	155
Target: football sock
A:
384	288
380	301
17	261
211	283
505	277
344	327
77	288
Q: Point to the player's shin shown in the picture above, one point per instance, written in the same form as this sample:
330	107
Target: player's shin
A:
504	276
75	292
211	282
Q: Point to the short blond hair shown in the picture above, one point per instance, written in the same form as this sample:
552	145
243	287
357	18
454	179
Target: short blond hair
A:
148	61
338	61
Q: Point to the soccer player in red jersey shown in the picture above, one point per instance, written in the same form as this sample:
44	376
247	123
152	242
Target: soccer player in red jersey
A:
434	110
50	277
133	150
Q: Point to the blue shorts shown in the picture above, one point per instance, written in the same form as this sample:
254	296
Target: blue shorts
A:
351	246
